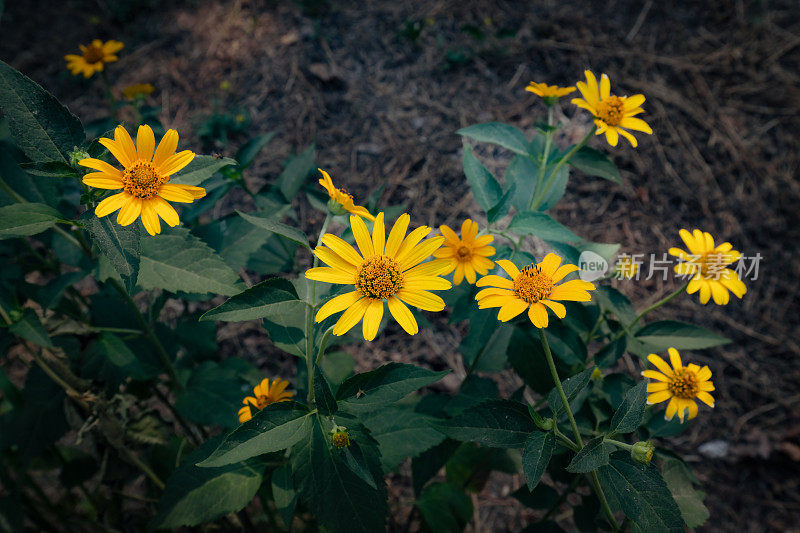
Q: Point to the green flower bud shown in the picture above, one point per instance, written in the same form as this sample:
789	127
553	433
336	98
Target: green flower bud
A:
77	155
545	424
642	452
340	437
597	374
336	208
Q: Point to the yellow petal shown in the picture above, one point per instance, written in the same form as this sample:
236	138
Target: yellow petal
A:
419	253
450	235
145	143
129	212
165	211
411	241
378	235
430	283
659	396
659	363
174	193
362	236
166	148
330	275
510	268
431	268
563	271
111	204
672	408
495	281
337	304
150	219
124	141
101	180
422	299
351	316
652	374
511	309
332	259
117	151
101	166
655	387
538	315
675	359
403	315
372	319
397	234
175	163
549	264
557	308
342	248
706	398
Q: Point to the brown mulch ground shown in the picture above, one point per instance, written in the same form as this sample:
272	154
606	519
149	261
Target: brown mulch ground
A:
722	80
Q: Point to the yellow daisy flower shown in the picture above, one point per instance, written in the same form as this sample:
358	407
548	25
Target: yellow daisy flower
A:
466	255
93	57
707	264
341	197
385	269
548	91
144	179
534	288
138	89
265	394
679	384
613	114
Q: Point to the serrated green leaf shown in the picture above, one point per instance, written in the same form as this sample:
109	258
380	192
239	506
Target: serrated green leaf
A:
194	495
522	172
640	492
276	427
21	220
591	457
30	328
283	493
679	335
384	385
484	186
201	168
498	133
178	261
401	432
631	412
50	169
572	388
595	163
536	456
270	224
495	423
120	244
503	205
678	478
40	126
541	225
268	298
445	508
326	403
295	173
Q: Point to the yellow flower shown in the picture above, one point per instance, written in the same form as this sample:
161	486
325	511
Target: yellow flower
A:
534	288
340	197
706	264
548	91
386	269
613	114
144	179
466	255
679	384
137	89
93	58
265	394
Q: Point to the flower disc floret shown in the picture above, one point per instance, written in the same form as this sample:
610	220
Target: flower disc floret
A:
532	285
142	180
379	277
679	384
467	255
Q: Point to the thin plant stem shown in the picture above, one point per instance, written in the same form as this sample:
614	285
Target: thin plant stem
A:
627	329
4	315
547	144
561	162
310	311
623	445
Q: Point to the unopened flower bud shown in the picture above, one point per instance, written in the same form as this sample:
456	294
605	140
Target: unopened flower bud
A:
597	374
340	437
77	155
545	424
336	208
642	452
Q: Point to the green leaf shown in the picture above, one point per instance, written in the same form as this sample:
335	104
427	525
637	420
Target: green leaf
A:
536	455
609	354
21	220
591	457
201	168
120	244
111	360
295	173
283	493
640	492
495	423
572	388
631	411
30	328
503	205
287	329
445	508
555	192
50	169
616	302
40	126
595	163
276	427
679	480
522	172
484	186
270	297
498	133
488	339
195	495
384	385
270	224
541	225
679	335
401	432
178	261
212	395
326	403
248	152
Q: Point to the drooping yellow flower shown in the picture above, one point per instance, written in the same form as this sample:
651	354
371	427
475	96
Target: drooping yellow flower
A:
342	198
707	266
145	178
265	394
534	288
137	90
681	385
390	270
466	255
548	91
93	58
612	114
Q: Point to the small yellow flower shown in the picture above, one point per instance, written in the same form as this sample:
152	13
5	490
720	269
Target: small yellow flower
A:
93	57
681	385
144	179
548	91
707	266
466	255
265	394
613	114
390	270
340	437
342	198
534	288
137	89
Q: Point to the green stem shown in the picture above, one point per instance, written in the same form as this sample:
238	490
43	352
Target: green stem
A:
547	144
627	329
322	344
561	162
4	316
595	481
110	100
623	445
310	311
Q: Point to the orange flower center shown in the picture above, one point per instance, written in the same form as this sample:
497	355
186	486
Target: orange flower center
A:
142	181
611	110
340	439
379	277
711	264
93	54
464	254
532	285
263	401
683	384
